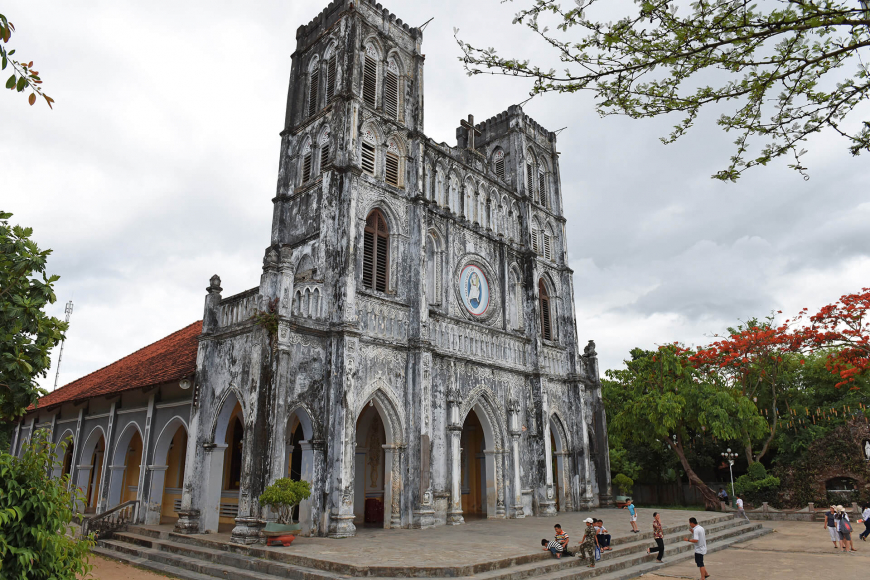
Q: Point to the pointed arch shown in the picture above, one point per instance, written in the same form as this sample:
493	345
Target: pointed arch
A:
332	70
434	261
221	420
482	400
371	73
394	160
312	101
325	150
497	163
371	140
380	394
306	161
393	85
376	252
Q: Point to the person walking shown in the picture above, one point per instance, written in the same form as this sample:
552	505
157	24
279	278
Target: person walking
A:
659	537
699	538
589	543
740	512
632	515
844	527
865	519
831	526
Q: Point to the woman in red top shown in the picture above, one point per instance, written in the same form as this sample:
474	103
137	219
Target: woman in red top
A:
659	536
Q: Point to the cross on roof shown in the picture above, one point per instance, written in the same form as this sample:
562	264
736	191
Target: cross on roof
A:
471	130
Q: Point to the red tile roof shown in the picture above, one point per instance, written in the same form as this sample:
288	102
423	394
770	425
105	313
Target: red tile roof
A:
169	359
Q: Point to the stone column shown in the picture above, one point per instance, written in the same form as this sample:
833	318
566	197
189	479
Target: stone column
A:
548	505
144	484
514	428
454	432
342	448
150	516
393	485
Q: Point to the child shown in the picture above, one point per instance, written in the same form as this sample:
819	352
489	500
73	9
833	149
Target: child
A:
554	547
632	513
603	536
562	538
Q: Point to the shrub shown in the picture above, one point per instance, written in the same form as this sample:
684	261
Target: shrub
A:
283	495
757	486
624	483
756	471
36	539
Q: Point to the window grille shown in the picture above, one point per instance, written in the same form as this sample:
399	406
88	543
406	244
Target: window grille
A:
312	91
331	66
546	328
392	169
376	252
370	79
368	158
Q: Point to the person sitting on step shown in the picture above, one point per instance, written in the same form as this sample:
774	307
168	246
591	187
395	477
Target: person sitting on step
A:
603	536
562	538
554	547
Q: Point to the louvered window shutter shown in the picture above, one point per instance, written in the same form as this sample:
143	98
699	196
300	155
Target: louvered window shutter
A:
499	168
370	81
325	160
392	169
312	91
306	167
376	253
542	188
546	327
547	253
535	240
368	158
391	94
330	77
530	180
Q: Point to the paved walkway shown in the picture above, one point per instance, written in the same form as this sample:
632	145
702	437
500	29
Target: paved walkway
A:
795	551
478	540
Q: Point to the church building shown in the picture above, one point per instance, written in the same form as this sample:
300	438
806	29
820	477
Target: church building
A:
410	350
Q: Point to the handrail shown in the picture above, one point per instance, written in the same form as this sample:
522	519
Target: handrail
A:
111	520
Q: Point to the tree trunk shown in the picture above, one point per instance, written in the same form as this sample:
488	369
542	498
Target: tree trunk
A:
711	501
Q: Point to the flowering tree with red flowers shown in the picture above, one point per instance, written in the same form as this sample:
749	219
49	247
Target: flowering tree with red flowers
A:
844	328
751	361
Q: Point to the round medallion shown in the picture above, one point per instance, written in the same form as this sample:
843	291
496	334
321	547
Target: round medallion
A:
474	290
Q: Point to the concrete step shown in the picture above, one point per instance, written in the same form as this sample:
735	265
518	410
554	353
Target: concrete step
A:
147	564
207	561
628	555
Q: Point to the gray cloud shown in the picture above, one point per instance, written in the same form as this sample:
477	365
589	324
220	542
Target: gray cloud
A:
158	164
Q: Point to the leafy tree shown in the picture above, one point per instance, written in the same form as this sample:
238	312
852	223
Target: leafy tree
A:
660	398
284	495
23	76
789	68
624	483
27	334
751	359
756	485
36	540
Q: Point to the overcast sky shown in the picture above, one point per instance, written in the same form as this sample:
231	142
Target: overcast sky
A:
157	165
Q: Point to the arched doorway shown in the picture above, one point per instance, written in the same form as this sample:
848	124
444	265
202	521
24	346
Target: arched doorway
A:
478	456
559	451
370	503
300	461
223	483
91	468
125	467
167	473
63	455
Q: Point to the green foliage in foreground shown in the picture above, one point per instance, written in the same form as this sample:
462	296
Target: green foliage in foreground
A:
36	539
283	495
27	334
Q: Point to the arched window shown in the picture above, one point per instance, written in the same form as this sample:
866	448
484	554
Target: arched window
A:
391	90
453	201
325	152
393	164
546	312
368	152
515	300
313	86
499	164
331	72
376	252
547	241
433	269
440	190
370	76
306	161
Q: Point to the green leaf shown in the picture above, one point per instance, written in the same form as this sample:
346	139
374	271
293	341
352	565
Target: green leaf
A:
22	83
11	82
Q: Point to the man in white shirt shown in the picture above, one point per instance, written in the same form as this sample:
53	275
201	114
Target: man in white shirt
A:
699	538
740	511
865	516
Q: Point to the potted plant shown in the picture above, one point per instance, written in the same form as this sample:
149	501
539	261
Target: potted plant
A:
282	496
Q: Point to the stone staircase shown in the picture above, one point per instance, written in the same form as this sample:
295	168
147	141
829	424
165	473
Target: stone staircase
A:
200	558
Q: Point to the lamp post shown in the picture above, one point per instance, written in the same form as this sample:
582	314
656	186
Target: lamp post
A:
730	457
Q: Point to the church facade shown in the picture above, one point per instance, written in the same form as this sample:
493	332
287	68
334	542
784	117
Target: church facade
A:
411	348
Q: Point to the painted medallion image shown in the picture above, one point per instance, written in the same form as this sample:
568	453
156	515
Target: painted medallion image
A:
474	289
